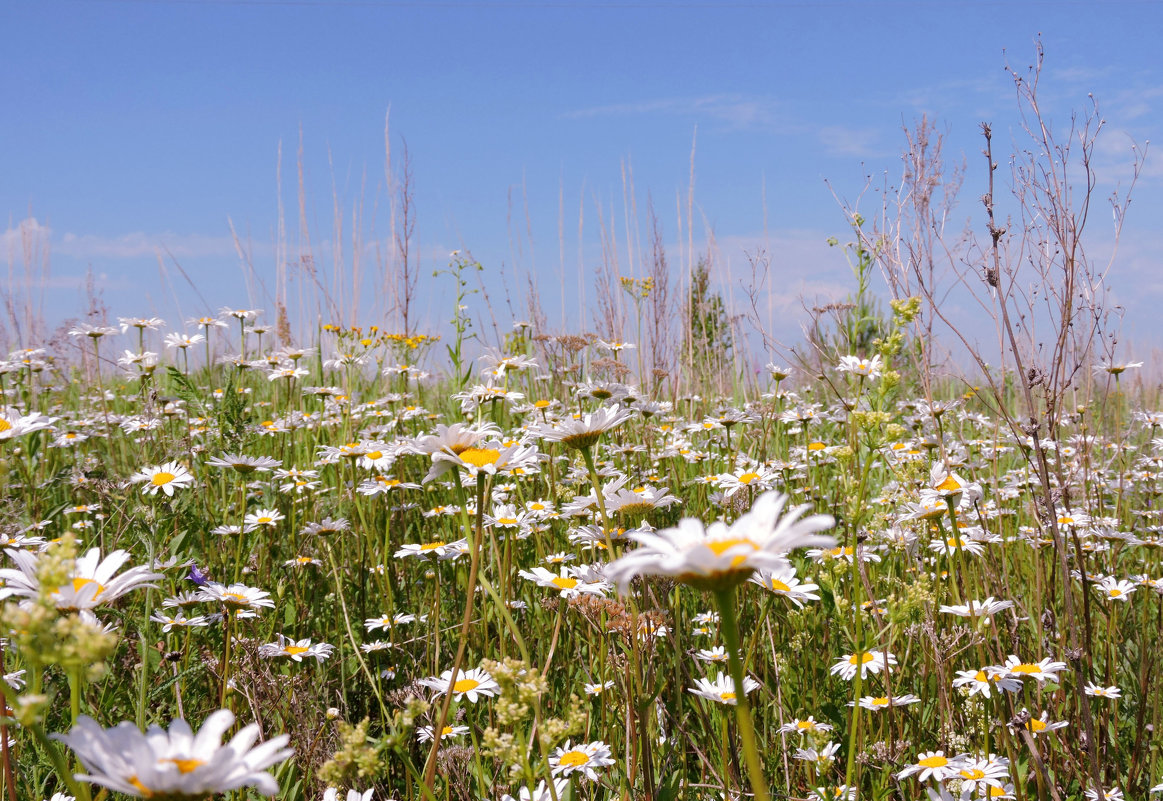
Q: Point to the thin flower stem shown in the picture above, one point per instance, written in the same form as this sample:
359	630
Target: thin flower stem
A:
725	599
466	620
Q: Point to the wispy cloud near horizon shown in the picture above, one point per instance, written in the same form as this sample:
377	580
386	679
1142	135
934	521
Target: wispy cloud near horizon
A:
138	244
737	111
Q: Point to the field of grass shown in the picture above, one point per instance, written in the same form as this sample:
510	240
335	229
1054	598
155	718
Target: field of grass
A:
353	545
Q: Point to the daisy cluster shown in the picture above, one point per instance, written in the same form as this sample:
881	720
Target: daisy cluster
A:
540	580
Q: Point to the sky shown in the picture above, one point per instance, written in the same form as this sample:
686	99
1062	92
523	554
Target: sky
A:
144	142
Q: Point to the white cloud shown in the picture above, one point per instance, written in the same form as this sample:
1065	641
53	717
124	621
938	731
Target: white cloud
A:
138	244
841	140
737	111
28	233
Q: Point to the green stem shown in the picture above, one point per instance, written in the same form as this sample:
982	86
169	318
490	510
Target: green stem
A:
466	621
726	601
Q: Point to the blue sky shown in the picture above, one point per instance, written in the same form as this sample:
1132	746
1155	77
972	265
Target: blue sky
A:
133	129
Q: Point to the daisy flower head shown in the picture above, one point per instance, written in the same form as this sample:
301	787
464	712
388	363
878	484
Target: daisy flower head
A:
598	688
866	662
91	580
637	501
1098	691
332	794
178	620
1115	367
1043	670
934	765
244	464
1043	724
567	582
721	689
839	792
424	733
163	478
236	597
804	726
436	548
949	485
14	424
177	763
302	561
984	680
885	702
715	654
585	431
1113	794
864	368
585	758
483	458
93	331
986	775
451	438
784	582
541	792
1113	589
240	314
296	650
758	478
471	685
183	341
820	758
719	556
262	518
986	608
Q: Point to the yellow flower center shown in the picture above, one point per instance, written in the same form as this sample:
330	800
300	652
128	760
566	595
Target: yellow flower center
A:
804	725
862	658
574	759
431	546
161	479
561	582
375	455
507	521
447	730
141	788
816	446
479	457
935	761
949	484
295	650
541	404
747	478
973	774
464	685
779	586
80	583
265	519
1036	725
1026	667
882	701
719	547
727	696
5	425
184	765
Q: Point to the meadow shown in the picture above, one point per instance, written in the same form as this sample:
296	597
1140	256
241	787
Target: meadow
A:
567	577
372	563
